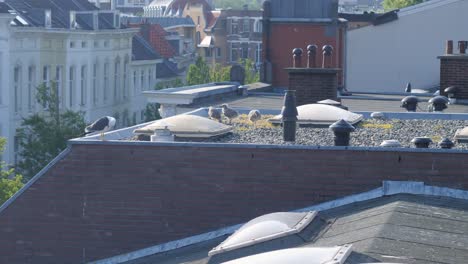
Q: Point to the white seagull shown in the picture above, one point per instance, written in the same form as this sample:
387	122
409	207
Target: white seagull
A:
101	125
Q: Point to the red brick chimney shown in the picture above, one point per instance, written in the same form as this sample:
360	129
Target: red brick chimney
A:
454	70
313	84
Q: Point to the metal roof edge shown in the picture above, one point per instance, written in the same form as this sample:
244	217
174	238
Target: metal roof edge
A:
388	188
34	179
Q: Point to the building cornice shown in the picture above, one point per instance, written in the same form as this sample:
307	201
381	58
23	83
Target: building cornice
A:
74	31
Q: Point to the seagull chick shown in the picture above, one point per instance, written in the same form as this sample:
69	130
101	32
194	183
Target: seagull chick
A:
254	116
229	112
214	113
101	125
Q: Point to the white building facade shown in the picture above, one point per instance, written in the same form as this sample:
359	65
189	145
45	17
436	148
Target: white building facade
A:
92	69
386	57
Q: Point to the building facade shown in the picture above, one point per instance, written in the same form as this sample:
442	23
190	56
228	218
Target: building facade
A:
289	24
87	58
232	36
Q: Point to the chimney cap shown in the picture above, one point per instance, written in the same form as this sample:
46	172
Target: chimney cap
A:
342	126
451	89
297	51
439	100
446	143
312	48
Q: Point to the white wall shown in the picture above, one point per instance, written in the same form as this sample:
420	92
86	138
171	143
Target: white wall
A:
384	58
4	83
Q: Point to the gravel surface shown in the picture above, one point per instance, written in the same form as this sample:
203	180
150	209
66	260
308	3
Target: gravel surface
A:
370	132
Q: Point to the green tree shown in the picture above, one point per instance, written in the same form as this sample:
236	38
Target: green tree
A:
220	73
10	182
44	135
170	84
198	73
152	112
396	4
251	73
238	4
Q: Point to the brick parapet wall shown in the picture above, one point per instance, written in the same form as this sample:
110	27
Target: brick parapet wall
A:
313	84
103	200
454	72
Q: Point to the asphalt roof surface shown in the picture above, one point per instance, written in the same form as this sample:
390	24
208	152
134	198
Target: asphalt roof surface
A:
409	229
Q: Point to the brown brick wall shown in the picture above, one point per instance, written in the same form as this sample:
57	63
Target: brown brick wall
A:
312	85
104	200
454	72
285	37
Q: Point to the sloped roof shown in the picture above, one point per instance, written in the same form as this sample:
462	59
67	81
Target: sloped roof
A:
403	228
4	8
142	50
166	69
165	22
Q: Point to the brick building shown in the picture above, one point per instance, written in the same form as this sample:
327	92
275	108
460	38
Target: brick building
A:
295	24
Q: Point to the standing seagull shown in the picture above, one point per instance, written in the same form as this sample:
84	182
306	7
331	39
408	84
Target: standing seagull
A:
229	112
214	113
254	116
101	125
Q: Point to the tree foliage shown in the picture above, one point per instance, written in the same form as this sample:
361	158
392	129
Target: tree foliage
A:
44	135
10	182
220	73
251	73
396	4
198	73
238	4
152	112
169	84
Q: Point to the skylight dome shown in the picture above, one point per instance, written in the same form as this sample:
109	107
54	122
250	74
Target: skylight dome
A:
322	114
188	126
306	255
265	228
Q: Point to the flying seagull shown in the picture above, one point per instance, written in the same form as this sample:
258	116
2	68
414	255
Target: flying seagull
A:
214	113
229	112
101	125
254	116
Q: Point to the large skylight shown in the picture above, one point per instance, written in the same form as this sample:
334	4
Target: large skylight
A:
188	126
305	255
321	114
264	228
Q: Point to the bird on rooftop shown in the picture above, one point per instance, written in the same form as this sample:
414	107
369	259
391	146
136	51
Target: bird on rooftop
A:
229	112
254	116
214	113
101	125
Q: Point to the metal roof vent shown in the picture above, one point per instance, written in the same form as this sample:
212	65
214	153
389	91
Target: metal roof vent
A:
391	144
421	142
187	126
438	104
320	114
265	228
461	136
410	103
305	255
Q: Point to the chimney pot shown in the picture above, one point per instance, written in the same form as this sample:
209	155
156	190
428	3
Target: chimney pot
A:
462	46
312	54
449	47
289	116
297	57
327	56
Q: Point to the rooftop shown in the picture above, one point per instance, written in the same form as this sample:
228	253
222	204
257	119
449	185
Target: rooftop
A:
406	225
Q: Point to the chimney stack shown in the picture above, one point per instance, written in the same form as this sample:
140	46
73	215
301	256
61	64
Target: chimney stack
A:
454	71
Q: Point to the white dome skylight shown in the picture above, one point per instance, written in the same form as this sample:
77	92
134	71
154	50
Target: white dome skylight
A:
265	228
322	114
305	255
189	126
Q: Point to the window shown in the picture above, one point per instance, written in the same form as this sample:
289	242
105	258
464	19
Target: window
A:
258	26
234	26
83	86
234	51
208	52
17	87
218	52
84	44
31	87
135	77
246	27
150	79
116	80
106	80
198	40
198	20
46	76
95	73
258	53
96	44
71	85
125	80
72	44
245	50
58	85
142	80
